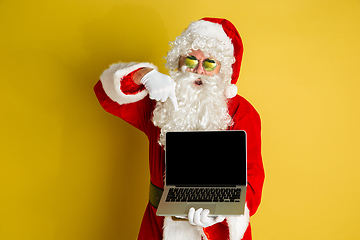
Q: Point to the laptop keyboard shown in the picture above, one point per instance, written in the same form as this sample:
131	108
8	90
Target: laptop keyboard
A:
203	195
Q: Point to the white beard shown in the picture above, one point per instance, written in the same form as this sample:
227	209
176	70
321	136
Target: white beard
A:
201	107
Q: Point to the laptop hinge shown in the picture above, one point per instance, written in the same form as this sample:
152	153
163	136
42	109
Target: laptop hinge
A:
189	186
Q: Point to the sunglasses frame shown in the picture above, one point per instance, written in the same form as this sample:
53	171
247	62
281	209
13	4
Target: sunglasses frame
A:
198	61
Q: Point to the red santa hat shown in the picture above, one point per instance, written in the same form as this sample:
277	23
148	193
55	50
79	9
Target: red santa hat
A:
224	31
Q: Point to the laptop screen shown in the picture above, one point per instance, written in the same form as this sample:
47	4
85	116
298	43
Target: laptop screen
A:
206	158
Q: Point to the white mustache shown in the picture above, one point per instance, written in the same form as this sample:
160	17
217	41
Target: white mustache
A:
190	77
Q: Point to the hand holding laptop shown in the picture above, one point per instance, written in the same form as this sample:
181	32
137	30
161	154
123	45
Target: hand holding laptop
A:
201	218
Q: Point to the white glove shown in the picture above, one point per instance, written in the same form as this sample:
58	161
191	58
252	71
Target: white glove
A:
200	218
160	87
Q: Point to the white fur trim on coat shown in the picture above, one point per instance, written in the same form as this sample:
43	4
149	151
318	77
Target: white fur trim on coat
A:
238	225
111	81
183	230
180	230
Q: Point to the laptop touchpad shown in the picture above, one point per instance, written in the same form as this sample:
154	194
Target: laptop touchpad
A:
210	206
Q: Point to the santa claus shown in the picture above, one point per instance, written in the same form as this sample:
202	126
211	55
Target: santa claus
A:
200	94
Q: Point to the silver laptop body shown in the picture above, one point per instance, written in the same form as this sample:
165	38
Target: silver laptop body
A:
206	162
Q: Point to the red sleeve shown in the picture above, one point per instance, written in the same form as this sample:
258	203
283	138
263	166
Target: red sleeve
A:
128	86
246	118
137	114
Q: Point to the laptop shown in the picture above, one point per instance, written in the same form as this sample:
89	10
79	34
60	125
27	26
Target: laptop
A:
204	169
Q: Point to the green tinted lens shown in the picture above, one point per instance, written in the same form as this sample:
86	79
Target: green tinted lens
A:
209	65
191	62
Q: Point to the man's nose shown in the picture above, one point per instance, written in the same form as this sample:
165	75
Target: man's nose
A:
199	69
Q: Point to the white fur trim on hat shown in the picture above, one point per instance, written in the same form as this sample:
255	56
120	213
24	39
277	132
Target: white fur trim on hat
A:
231	91
111	81
210	30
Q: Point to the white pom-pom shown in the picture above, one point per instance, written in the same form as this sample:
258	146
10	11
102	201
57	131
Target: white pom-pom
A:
231	91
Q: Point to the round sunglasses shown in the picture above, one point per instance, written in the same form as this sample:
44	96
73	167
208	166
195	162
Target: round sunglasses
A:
208	64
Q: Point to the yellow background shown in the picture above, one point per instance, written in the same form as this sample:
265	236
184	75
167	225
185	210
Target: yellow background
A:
66	165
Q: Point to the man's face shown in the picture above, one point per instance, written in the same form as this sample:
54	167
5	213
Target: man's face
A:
204	65
200	96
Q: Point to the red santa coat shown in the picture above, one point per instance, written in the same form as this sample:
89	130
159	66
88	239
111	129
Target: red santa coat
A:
120	96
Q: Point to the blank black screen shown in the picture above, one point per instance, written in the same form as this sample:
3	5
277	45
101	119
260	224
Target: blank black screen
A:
206	158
